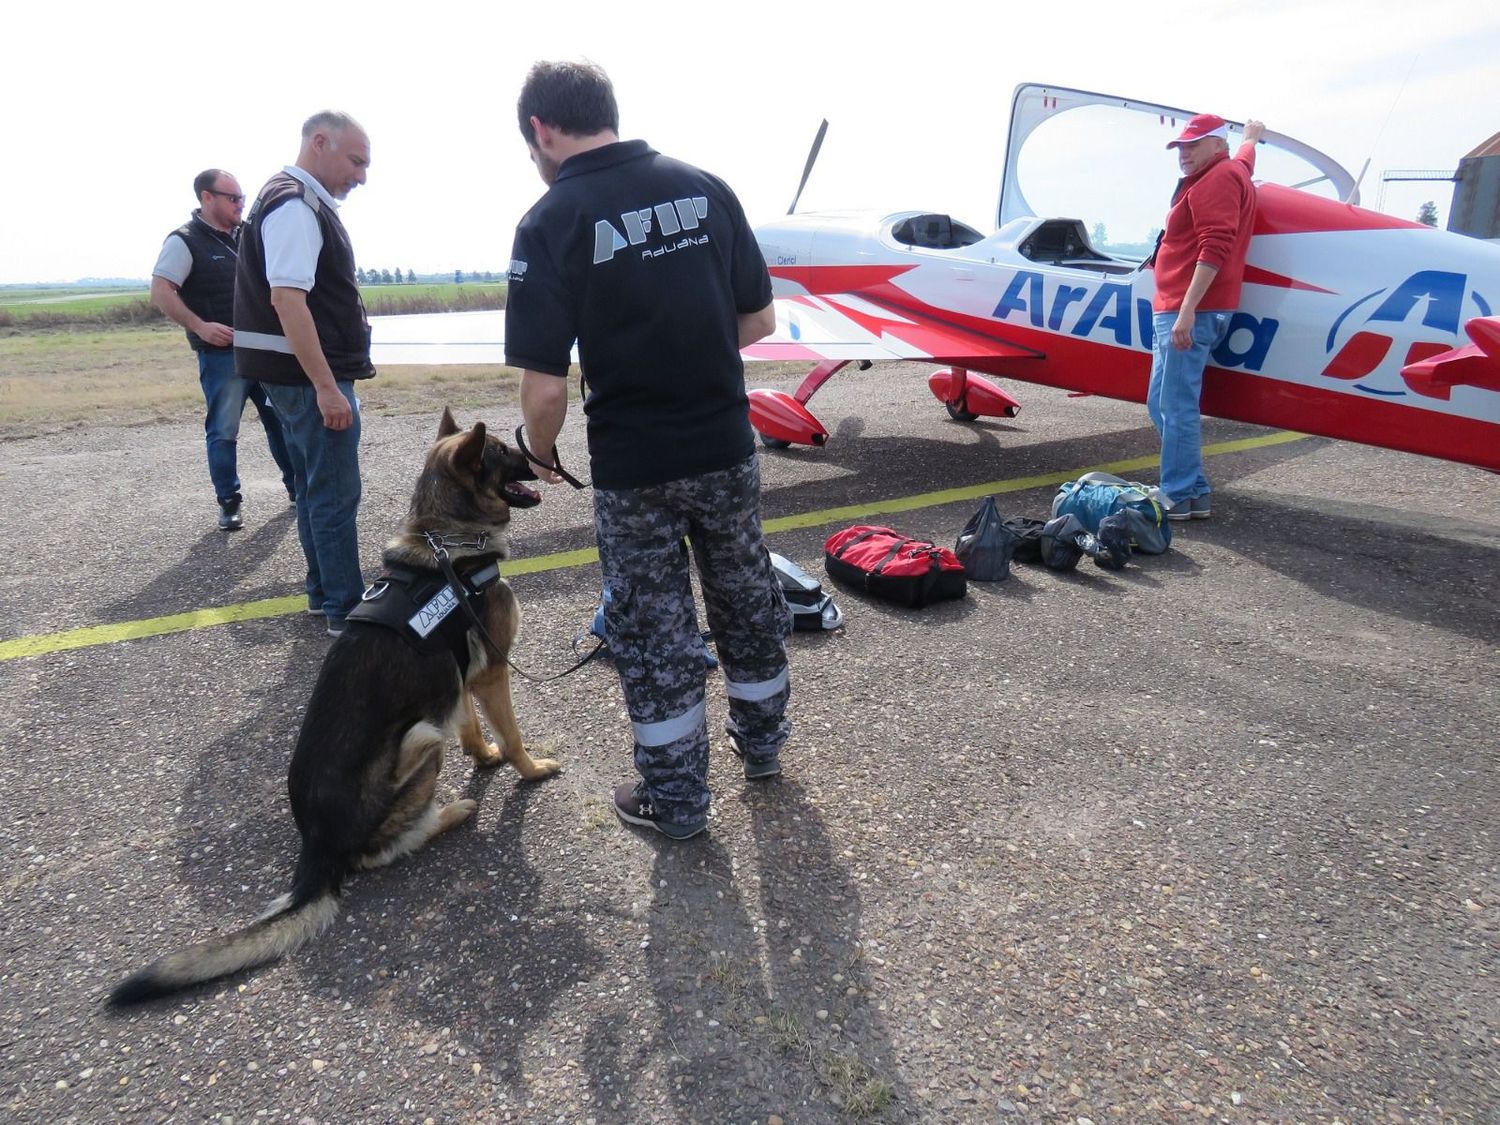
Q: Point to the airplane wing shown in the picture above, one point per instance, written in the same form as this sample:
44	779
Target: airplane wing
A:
438	338
842	326
847	326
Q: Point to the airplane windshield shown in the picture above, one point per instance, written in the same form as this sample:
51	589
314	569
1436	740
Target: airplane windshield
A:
1105	161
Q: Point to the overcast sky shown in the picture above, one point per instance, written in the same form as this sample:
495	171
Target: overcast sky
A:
112	109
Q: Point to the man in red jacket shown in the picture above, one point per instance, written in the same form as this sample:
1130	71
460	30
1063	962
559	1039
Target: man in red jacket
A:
1199	264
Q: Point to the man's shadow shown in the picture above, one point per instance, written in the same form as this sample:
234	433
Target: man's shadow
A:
760	991
211	565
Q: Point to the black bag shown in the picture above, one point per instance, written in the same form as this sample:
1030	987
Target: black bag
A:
811	608
1061	542
986	544
889	565
1064	540
1028	535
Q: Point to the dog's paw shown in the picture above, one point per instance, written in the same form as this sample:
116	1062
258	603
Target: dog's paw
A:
544	767
455	813
487	755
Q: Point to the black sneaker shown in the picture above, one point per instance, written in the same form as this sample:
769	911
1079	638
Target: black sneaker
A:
229	516
633	806
335	626
756	769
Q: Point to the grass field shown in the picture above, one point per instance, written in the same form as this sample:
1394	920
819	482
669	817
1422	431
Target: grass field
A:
56	379
25	309
136	376
22	295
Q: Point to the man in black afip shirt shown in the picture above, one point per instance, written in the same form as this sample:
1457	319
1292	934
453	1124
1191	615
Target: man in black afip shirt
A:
649	266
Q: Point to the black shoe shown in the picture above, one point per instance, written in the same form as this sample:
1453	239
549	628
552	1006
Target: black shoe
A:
335	626
229	516
634	807
756	769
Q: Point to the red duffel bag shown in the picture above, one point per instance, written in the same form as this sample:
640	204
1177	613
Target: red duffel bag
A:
889	565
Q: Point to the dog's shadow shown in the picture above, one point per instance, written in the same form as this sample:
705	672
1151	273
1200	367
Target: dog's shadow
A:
464	933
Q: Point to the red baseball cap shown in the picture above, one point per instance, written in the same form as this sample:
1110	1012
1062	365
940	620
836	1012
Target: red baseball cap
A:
1204	125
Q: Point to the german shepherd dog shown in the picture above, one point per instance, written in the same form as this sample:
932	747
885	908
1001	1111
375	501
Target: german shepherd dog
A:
364	774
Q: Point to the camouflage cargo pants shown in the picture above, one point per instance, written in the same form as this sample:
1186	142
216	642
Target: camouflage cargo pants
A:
653	629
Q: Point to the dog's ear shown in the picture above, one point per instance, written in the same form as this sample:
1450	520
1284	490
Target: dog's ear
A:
447	425
470	453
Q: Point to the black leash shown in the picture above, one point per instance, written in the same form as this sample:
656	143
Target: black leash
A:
555	465
439	545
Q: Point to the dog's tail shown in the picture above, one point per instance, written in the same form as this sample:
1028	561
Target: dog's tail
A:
291	920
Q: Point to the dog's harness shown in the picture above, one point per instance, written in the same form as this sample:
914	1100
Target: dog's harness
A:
419	603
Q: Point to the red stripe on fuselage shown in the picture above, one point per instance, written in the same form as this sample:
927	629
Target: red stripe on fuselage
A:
839	279
1075	364
1284	210
1254	275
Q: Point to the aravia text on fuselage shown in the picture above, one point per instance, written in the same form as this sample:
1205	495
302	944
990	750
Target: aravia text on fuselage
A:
1086	311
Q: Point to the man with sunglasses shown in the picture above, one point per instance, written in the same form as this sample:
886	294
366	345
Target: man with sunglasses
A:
193	285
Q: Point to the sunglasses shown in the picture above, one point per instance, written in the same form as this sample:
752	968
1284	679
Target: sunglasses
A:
233	197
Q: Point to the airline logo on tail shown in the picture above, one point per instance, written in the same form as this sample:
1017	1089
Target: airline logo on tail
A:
1433	299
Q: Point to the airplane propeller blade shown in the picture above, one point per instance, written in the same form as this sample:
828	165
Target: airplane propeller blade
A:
812	157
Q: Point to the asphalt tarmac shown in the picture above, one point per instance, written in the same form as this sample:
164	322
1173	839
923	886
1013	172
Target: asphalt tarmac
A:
1212	838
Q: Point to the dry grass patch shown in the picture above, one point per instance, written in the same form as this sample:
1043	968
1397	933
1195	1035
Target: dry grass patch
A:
860	1092
59	378
51	381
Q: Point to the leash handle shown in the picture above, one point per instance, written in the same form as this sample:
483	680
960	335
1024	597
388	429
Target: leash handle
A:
555	465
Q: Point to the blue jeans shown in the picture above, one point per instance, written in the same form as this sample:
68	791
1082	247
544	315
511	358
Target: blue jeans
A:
1172	399
224	395
326	467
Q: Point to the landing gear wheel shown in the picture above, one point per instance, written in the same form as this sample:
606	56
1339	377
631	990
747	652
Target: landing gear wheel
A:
774	443
958	413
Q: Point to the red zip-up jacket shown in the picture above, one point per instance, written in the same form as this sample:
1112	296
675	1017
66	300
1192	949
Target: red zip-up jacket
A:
1210	221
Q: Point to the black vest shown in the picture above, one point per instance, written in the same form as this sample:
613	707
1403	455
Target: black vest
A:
261	350
209	288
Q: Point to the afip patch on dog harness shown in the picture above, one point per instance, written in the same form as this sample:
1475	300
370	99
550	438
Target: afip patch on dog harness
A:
423	608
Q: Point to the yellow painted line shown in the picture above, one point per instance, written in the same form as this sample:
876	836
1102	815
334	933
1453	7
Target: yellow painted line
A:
150	627
1015	484
43	643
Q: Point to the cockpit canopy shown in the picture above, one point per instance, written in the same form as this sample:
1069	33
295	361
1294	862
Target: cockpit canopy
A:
934	232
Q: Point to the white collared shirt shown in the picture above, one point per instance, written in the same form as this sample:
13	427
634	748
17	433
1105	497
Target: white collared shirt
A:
292	239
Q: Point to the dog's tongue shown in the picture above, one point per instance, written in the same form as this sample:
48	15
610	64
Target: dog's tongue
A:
521	495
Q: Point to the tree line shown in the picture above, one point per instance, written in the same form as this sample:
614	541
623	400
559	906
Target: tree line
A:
396	277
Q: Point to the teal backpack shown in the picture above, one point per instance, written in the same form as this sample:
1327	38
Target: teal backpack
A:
1095	495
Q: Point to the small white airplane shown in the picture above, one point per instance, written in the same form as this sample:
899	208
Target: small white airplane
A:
1352	322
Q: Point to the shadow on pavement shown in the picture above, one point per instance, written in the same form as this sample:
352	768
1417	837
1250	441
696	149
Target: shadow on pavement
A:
208	572
772	1013
1386	560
